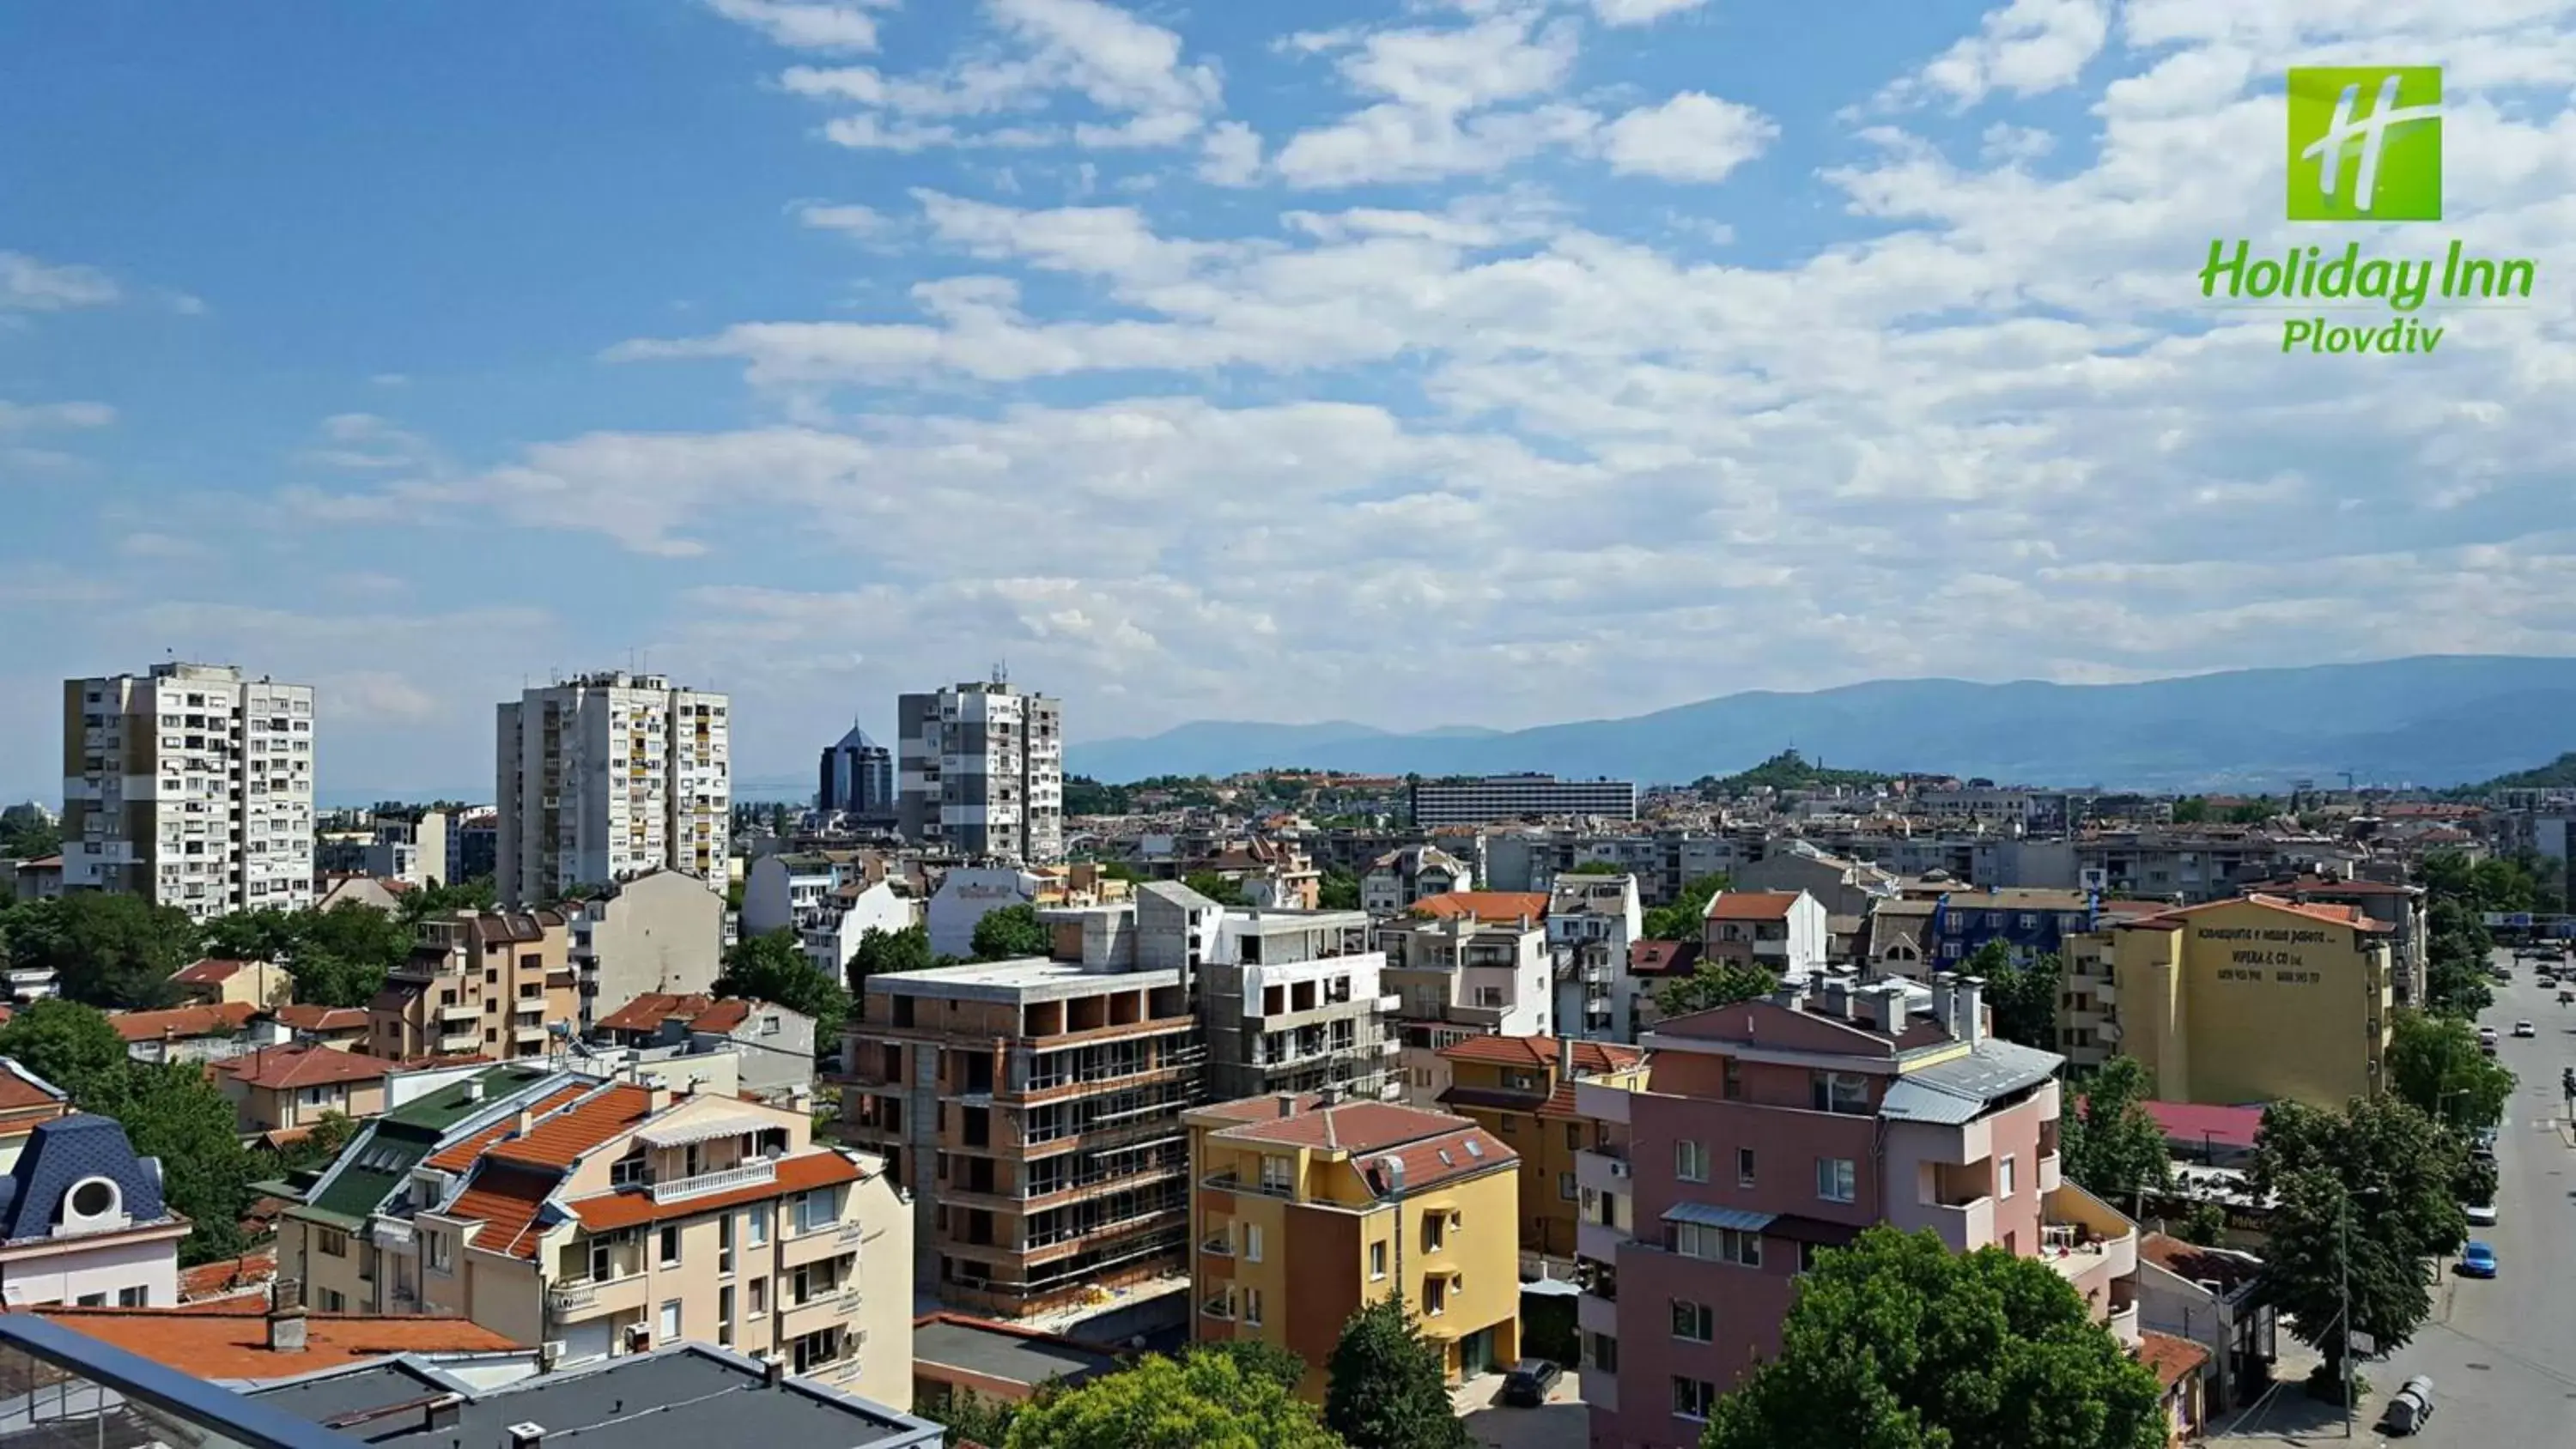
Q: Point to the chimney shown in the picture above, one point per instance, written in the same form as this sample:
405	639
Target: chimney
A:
473	1089
443	1413
657	1097
1791	994
527	1436
1887	1011
1287	1104
1972	1010
772	1373
1565	1059
1329	1095
1838	998
1945	1003
286	1330
526	1119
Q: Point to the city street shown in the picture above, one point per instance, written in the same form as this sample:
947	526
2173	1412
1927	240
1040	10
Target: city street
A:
2502	1353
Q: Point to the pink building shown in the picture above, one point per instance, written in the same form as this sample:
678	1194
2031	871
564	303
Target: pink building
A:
1774	1128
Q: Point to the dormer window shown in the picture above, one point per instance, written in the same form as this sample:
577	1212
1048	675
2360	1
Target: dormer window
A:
94	1198
95	1204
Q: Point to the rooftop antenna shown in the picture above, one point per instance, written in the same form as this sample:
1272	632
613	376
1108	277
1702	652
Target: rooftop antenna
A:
1002	673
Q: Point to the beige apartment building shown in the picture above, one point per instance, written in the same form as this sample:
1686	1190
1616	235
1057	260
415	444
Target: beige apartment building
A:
492	984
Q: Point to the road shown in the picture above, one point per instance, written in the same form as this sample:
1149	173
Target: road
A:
2502	1354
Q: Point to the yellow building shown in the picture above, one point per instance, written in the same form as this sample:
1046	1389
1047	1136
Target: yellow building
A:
1521	1088
2255	1000
1306	1209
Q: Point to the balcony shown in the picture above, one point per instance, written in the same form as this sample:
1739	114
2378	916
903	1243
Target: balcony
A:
814	1247
459	1011
586	1298
815	1314
1601	1242
2050	1176
458	1041
1596	1314
750	1174
1602	1104
1604	1169
1965	1225
1235	1182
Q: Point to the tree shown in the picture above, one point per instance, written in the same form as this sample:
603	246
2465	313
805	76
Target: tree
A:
2191	810
1220	889
1680	919
2109	1145
1593	867
1010	933
312	1151
29	837
1385	1385
1715	983
775	969
110	950
2362	1196
2435	1064
67	1044
1205	1399
345	953
172	1112
1897	1343
969	1417
2023	993
476	893
2202	1224
882	952
1258	1359
1338	891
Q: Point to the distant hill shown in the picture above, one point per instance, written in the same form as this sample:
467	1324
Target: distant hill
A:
2430	721
2558	774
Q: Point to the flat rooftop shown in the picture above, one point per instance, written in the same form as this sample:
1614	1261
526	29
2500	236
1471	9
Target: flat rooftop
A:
991	1351
684	1397
1030	978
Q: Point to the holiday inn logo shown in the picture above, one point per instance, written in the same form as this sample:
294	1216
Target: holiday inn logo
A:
2364	146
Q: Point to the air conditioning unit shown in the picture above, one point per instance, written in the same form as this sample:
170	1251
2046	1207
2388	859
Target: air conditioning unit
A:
638	1338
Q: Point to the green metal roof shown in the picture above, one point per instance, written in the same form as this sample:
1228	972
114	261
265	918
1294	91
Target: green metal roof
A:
444	1108
376	1163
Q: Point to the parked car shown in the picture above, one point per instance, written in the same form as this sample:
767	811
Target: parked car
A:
2524	1028
2481	1215
2477	1260
1528	1383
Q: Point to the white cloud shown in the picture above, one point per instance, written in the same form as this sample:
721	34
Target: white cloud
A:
1640	12
19	417
1231	155
364	442
851	220
2027	47
162	546
27	284
805	26
1459	100
1692	137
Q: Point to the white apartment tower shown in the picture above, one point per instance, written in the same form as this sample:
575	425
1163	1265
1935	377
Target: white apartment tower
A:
980	772
607	776
190	786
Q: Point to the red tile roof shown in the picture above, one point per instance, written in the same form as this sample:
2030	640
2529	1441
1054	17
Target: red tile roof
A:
1435	1160
212	971
1354	1127
323	1018
228	1278
222	1019
2229	1271
554	1141
611	1210
505	1200
2172	1359
1663	958
19	1091
1495	906
2219	1126
461	1154
233	1344
305	1066
2332	915
1542	1051
1750	905
700	1013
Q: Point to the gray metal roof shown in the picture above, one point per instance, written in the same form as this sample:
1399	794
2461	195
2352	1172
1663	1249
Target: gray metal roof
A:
1009	1357
1718	1217
1958	1090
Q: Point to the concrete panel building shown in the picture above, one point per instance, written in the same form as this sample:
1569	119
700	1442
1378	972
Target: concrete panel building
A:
980	772
661	931
498	984
608	776
1293	1001
1484	799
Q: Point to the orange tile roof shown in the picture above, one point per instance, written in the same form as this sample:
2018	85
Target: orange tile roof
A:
212	971
2332	915
1435	1160
2169	1357
506	1201
648	1011
1541	1051
19	1092
1349	1126
231	1276
322	1018
223	1019
303	1066
1750	905
611	1210
571	1131
725	1015
233	1344
1498	906
461	1154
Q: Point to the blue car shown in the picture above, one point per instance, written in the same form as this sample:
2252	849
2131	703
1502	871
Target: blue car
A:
2477	1260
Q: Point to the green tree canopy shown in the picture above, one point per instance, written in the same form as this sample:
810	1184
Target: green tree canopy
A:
881	952
2108	1144
69	1045
1010	933
1897	1343
1715	983
1223	890
474	894
1338	891
2435	1064
29	838
172	1112
1681	918
109	950
2022	993
775	969
1594	867
1203	1401
1385	1385
1259	1359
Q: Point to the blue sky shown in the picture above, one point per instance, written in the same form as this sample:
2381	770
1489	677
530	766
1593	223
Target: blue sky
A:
1488	361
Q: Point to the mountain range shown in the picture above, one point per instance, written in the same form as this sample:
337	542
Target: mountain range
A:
2433	720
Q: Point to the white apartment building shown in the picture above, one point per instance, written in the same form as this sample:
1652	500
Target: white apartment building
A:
607	776
189	785
1592	920
980	772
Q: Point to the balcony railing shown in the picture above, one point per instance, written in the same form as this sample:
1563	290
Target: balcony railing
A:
750	1174
572	1297
1236	1182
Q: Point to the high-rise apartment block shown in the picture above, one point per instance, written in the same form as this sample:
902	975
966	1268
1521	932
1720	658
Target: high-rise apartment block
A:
607	776
190	786
981	772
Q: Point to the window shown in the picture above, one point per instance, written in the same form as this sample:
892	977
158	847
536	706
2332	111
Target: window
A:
1744	1167
1508	1126
668	1329
1277	1175
1692	1397
724	1314
1718	1245
670	1245
1573	1137
724	1243
330	1242
1252	1242
1807	1256
1565	1187
757	1220
1690	1162
603	1262
438	1251
1252	1306
1435	1296
1605	1353
133	1297
1435	1231
2004	1177
1733	1083
90	1300
331	1300
759	1295
1844	1092
1693	1322
818	1209
1835	1179
1377	1260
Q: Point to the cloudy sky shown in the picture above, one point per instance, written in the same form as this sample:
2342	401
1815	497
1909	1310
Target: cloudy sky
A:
1491	361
